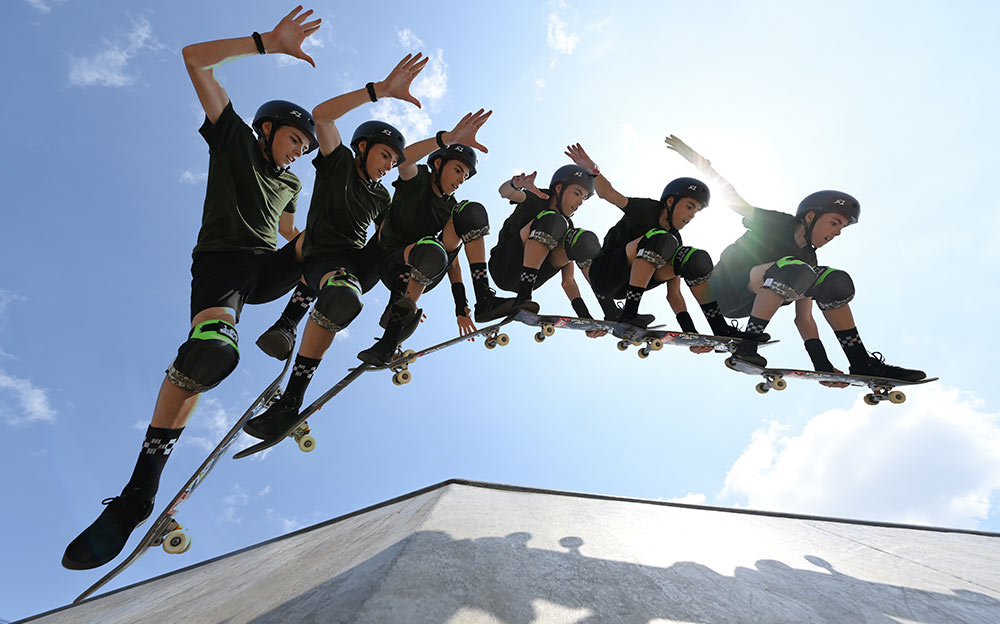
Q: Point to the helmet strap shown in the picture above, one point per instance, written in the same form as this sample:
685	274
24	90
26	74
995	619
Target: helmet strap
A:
364	165
268	144
809	229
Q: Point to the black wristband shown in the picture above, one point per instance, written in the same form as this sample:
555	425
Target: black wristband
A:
817	353
516	188
580	308
440	141
259	42
686	322
461	302
371	91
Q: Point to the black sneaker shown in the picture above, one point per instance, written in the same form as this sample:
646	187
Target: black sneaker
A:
875	366
279	340
380	353
275	420
746	351
494	307
641	321
104	539
733	331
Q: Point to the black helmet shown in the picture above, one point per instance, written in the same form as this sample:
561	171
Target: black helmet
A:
284	113
687	187
822	202
455	151
573	174
375	131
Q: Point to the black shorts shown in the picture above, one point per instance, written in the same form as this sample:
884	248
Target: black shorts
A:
392	269
232	278
610	274
506	261
361	263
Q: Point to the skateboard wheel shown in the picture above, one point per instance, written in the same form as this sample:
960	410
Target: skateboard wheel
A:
779	384
402	377
503	340
761	388
655	344
176	542
622	345
395	381
307	443
637	343
643	353
870	399
490	343
539	337
188	547
548	330
896	397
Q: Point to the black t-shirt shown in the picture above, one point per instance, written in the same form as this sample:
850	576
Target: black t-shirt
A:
770	236
524	213
245	195
415	212
343	205
641	216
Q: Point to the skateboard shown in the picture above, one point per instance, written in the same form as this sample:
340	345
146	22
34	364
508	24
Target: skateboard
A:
774	378
299	431
165	530
648	340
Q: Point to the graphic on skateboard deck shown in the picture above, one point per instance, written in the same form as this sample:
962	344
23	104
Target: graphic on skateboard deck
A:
649	339
774	378
299	431
165	530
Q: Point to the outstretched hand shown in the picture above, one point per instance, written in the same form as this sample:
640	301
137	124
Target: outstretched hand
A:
465	324
693	157
835	384
581	159
397	83
291	31
465	130
527	182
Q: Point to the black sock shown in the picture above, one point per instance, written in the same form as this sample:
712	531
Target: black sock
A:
302	373
611	310
480	280
851	343
633	295
714	317
686	322
152	458
299	304
756	326
527	284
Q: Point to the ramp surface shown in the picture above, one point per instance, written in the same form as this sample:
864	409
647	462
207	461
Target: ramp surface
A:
474	552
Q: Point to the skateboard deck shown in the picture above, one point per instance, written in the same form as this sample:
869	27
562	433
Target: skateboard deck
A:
648	340
165	530
299	431
882	388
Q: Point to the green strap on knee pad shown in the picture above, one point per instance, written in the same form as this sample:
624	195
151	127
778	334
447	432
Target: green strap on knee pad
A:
216	329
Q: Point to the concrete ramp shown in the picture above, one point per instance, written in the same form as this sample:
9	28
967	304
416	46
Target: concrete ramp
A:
472	552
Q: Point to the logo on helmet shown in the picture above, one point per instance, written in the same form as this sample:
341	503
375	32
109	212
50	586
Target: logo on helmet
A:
693	187
840	202
387	132
295	113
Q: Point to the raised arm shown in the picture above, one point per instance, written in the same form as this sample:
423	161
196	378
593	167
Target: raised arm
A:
464	132
517	188
201	59
704	165
396	85
601	184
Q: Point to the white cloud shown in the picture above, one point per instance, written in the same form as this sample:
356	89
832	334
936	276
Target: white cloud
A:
429	87
432	82
689	499
23	402
109	67
6	298
413	122
190	177
40	6
540	83
408	39
211	422
557	36
934	460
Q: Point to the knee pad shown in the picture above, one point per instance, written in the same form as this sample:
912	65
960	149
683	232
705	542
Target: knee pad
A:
470	221
581	246
338	302
833	289
656	246
694	265
549	228
790	278
210	354
428	259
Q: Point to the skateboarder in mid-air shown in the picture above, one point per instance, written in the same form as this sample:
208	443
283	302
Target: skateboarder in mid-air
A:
348	196
250	197
539	240
774	263
644	250
419	237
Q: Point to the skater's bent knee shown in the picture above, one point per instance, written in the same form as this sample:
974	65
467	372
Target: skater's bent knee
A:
833	289
338	302
209	355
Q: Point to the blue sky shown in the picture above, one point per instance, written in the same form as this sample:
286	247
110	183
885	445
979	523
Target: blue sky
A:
892	102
